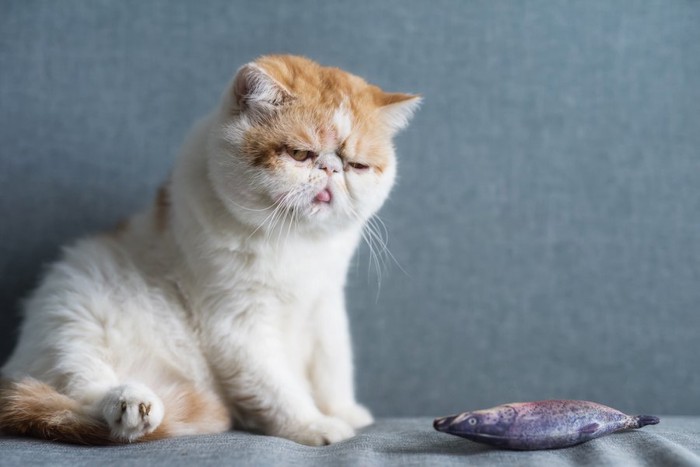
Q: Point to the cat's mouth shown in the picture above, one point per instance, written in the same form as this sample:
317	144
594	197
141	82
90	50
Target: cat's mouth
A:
323	197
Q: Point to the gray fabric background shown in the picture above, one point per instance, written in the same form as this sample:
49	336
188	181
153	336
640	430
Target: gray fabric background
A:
397	442
546	214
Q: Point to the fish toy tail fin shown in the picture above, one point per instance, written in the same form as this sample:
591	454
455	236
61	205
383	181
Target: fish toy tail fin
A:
644	420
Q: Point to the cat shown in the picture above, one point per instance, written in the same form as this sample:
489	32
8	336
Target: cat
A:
223	302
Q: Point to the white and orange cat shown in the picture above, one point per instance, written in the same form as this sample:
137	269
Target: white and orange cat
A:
224	301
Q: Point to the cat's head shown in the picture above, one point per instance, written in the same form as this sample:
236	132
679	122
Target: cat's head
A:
304	144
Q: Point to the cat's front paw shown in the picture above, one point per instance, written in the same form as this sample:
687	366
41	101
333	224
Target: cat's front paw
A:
321	432
131	411
355	415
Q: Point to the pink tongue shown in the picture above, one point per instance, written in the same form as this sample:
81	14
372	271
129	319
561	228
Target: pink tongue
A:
324	196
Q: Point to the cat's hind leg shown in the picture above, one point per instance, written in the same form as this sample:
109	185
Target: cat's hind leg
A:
129	408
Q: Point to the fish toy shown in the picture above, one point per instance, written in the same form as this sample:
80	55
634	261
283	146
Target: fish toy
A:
537	425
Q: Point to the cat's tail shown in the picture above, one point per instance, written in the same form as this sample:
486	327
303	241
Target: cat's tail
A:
31	408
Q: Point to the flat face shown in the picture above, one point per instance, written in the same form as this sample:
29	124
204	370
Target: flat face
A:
312	140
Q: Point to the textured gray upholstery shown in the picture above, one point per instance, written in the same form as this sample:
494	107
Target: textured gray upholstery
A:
547	213
395	442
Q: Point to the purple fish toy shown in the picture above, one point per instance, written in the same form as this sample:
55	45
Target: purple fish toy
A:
546	424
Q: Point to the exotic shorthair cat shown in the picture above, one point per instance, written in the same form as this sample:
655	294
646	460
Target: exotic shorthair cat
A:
222	303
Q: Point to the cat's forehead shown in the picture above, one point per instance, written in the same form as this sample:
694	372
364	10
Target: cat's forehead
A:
314	84
327	92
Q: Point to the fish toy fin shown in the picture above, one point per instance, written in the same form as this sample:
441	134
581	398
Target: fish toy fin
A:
644	420
589	429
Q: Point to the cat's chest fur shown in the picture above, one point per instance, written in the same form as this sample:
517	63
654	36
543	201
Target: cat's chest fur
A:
295	272
277	287
291	275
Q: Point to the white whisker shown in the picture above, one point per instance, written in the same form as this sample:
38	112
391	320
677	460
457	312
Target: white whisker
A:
384	240
251	209
278	205
374	256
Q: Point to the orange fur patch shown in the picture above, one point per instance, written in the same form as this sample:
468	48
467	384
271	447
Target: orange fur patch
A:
306	120
31	408
189	411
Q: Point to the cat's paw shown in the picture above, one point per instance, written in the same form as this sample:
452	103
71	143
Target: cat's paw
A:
355	415
321	431
131	411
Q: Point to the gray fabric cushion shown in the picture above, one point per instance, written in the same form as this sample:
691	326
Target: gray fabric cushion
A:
400	442
546	213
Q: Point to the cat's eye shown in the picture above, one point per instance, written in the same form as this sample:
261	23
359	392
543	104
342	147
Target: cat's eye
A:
358	166
301	155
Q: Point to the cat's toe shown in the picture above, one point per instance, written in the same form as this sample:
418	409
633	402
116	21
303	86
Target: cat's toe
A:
322	431
132	411
356	415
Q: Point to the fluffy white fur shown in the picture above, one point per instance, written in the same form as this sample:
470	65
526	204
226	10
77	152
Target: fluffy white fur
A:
240	299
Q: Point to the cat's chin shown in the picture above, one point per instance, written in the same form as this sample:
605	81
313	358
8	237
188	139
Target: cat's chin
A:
318	211
322	217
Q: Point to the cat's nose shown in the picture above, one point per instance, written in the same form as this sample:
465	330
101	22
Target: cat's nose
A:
329	163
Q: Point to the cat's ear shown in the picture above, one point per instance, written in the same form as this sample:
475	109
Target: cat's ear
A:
396	109
256	92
